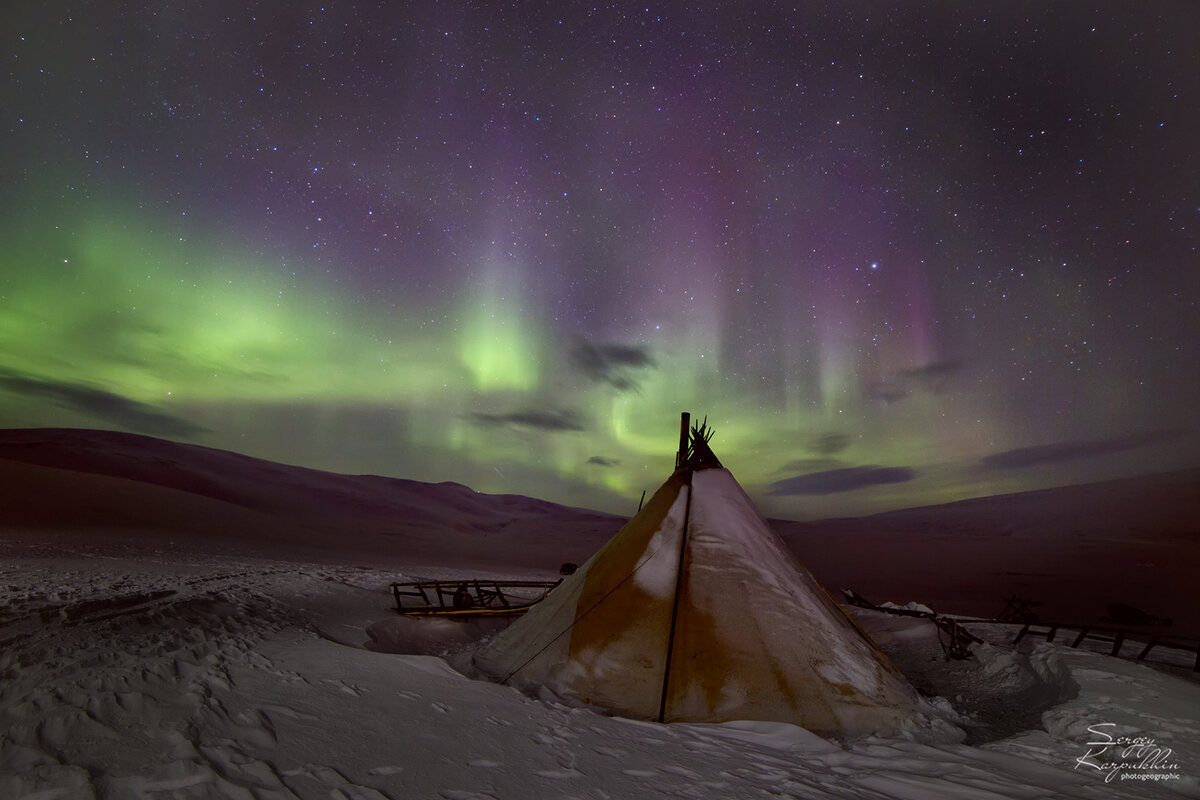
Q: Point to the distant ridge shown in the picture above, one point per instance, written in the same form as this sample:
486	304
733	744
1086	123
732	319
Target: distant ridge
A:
76	477
216	473
1075	549
1170	499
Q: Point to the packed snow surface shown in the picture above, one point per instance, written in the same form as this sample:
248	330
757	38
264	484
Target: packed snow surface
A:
169	676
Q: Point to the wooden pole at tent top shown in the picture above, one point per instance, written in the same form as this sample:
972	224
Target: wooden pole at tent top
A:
685	420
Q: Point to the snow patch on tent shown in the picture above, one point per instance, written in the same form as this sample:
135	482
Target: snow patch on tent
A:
656	571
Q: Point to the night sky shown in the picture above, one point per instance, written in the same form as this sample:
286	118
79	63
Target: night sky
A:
898	253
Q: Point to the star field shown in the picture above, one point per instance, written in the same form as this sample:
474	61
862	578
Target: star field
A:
897	255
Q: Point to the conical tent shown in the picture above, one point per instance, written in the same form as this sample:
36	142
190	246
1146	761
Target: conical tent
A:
696	611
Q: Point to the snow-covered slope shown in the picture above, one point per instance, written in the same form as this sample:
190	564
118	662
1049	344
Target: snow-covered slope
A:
1076	550
60	480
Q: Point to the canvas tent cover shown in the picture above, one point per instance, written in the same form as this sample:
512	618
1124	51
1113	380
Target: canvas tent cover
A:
755	635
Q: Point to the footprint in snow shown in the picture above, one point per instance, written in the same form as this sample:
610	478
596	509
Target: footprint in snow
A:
256	728
355	792
343	687
287	711
559	774
384	771
326	775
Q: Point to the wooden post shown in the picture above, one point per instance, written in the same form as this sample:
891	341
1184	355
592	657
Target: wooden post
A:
684	432
685	420
683	537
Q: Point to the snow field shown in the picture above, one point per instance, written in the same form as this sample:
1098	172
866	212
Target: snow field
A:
226	678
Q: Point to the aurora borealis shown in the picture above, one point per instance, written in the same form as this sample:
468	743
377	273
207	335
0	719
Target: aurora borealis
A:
898	255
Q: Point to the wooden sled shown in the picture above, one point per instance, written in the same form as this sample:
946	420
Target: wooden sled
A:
469	598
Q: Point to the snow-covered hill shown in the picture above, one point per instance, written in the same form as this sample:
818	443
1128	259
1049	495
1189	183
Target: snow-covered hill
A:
62	480
1076	550
177	622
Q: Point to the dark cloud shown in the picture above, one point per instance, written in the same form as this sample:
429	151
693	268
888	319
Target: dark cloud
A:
600	461
829	443
534	418
610	363
887	393
1025	457
113	408
811	465
841	480
933	378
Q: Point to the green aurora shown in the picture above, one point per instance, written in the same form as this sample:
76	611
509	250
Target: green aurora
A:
215	345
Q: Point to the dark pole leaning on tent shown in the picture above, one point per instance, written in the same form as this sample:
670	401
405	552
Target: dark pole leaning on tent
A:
684	423
680	460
